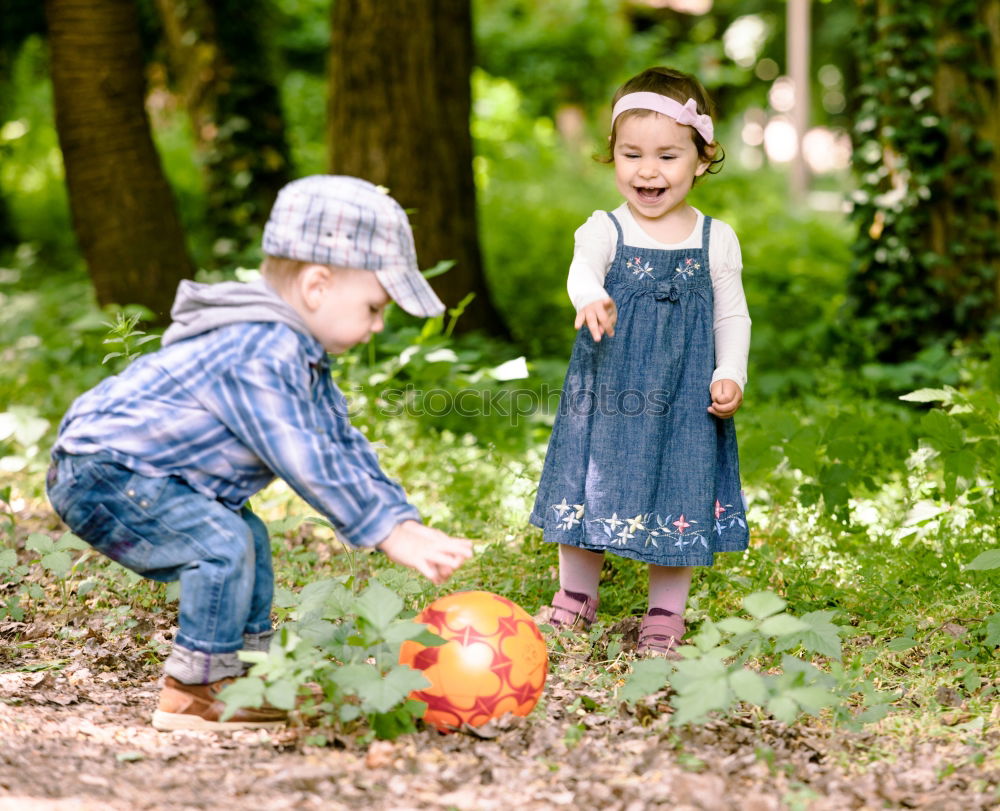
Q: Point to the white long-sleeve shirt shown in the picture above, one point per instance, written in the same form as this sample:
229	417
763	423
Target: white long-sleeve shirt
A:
597	241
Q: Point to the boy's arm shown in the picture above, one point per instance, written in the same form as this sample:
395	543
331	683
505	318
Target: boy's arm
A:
268	406
428	550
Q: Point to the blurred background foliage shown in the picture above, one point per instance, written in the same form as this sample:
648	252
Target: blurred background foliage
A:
541	88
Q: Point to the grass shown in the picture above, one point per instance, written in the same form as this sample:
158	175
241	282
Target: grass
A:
889	573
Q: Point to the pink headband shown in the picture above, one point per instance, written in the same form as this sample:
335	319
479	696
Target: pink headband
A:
686	113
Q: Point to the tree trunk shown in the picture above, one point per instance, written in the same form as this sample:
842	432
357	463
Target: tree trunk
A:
400	101
219	58
124	213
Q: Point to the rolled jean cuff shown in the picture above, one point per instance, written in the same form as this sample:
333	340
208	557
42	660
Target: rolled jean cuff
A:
197	667
258	642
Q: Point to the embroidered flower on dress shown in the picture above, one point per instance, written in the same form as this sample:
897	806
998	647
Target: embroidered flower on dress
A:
730	521
688	268
682	533
635	264
569	514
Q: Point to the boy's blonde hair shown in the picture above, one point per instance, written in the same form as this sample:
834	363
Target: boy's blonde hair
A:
280	272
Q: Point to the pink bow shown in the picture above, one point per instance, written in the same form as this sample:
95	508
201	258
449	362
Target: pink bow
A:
686	113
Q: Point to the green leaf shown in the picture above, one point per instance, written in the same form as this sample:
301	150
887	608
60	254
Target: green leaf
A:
990	559
972	681
926	396
284	598
281	694
763	604
245	692
992	624
942	431
383	694
900	644
648	676
690	674
331	600
70	541
441	267
37	542
429	639
782	625
735	626
317	632
351	678
57	562
695	706
87	586
378	605
388	726
820	635
783	708
349	712
401	630
811	699
8	559
748	686
708	637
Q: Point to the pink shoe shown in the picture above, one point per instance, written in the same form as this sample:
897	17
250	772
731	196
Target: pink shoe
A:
568	612
660	634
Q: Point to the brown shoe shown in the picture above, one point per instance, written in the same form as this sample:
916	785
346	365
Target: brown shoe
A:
196	706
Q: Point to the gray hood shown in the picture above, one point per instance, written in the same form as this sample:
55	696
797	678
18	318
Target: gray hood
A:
199	308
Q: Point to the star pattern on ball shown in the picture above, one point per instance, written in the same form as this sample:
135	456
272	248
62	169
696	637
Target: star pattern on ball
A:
494	660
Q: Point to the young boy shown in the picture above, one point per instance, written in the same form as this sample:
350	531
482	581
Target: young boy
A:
154	467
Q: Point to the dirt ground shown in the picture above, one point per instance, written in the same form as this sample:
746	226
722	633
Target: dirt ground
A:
78	687
75	734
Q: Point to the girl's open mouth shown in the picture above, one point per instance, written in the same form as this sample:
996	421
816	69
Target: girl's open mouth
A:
647	194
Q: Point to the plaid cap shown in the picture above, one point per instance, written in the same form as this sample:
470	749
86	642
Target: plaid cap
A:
349	222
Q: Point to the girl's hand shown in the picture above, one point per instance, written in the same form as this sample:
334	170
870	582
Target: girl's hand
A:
429	551
726	398
600	318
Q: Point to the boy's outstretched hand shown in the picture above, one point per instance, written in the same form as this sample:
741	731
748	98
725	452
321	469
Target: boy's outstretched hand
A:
429	551
599	316
727	397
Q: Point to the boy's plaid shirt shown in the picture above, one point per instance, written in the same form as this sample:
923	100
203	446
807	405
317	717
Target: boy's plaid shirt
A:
230	409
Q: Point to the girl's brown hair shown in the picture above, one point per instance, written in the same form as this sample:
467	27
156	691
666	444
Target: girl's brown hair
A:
676	85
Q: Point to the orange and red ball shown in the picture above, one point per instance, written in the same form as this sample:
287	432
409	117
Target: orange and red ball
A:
494	661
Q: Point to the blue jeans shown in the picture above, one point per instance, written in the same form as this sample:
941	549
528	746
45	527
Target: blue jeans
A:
164	530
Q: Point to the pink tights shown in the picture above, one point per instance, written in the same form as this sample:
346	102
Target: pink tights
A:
580	571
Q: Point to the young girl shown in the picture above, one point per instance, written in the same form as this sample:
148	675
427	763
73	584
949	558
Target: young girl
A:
642	461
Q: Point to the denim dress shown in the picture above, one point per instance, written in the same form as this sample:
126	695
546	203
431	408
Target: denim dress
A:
636	465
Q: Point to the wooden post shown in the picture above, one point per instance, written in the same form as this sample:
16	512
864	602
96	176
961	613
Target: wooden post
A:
797	44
